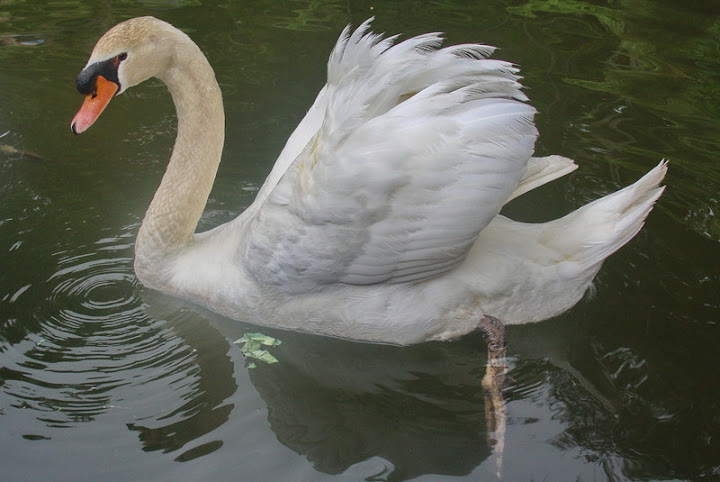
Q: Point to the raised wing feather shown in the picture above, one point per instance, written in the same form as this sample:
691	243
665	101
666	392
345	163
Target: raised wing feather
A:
418	151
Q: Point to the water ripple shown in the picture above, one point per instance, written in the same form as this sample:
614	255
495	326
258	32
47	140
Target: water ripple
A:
95	343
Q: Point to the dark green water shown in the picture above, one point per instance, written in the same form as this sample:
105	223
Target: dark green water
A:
101	378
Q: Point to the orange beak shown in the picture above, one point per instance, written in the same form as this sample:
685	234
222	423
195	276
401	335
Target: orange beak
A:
94	104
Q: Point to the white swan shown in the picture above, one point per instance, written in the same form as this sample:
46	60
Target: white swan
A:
379	220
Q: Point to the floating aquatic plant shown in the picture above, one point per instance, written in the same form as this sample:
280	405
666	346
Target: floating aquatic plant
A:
253	347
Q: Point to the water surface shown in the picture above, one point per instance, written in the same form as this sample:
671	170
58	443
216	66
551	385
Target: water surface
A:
102	378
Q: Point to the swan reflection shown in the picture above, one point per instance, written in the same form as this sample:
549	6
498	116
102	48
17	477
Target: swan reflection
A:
420	409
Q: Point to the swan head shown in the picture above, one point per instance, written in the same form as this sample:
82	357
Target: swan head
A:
128	54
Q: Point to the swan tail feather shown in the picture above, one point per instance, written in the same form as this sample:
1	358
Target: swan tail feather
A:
595	231
542	170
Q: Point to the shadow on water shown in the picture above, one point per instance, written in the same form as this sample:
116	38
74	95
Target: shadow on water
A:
420	409
414	410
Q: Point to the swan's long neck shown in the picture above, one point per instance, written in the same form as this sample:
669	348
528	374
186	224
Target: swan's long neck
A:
175	210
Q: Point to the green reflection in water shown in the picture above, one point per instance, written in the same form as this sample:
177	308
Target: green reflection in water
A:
666	60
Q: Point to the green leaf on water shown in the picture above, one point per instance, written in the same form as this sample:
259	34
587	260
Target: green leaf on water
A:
263	355
252	347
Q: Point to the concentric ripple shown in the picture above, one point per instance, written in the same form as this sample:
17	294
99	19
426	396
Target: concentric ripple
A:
96	351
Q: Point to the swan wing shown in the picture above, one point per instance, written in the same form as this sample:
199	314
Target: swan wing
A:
418	151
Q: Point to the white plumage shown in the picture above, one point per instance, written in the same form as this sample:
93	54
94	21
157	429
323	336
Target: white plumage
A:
379	220
418	150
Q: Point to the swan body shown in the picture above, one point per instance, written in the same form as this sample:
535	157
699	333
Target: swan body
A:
380	219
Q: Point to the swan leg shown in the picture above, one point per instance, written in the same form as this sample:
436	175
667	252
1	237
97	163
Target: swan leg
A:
493	332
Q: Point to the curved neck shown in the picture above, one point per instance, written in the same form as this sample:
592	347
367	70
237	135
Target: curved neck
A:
178	203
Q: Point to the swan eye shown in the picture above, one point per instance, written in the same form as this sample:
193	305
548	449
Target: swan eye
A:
122	56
